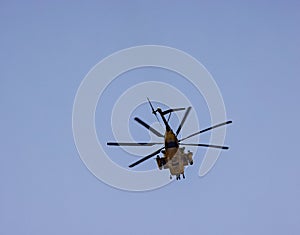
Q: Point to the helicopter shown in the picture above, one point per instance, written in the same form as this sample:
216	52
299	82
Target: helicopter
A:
174	158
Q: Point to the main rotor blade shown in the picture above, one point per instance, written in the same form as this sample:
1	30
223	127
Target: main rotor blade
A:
183	120
207	145
207	129
146	158
148	127
172	110
131	144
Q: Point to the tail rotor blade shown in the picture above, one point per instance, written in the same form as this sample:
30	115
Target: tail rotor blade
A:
183	120
153	111
172	110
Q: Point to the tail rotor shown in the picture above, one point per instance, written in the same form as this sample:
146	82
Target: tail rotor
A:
153	111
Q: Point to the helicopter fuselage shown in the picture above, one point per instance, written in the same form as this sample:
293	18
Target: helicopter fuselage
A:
173	159
171	144
171	141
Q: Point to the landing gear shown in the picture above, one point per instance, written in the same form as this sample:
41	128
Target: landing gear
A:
178	176
190	157
159	162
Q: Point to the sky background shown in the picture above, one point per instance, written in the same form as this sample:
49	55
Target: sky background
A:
251	49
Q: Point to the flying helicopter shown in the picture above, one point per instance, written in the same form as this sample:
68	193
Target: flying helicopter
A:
174	158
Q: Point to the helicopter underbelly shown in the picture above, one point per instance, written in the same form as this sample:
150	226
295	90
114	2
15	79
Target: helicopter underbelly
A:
176	168
177	162
170	152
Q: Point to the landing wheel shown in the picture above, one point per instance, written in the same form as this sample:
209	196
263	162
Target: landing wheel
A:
159	163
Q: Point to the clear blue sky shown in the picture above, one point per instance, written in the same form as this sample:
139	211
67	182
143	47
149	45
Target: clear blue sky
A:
251	49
